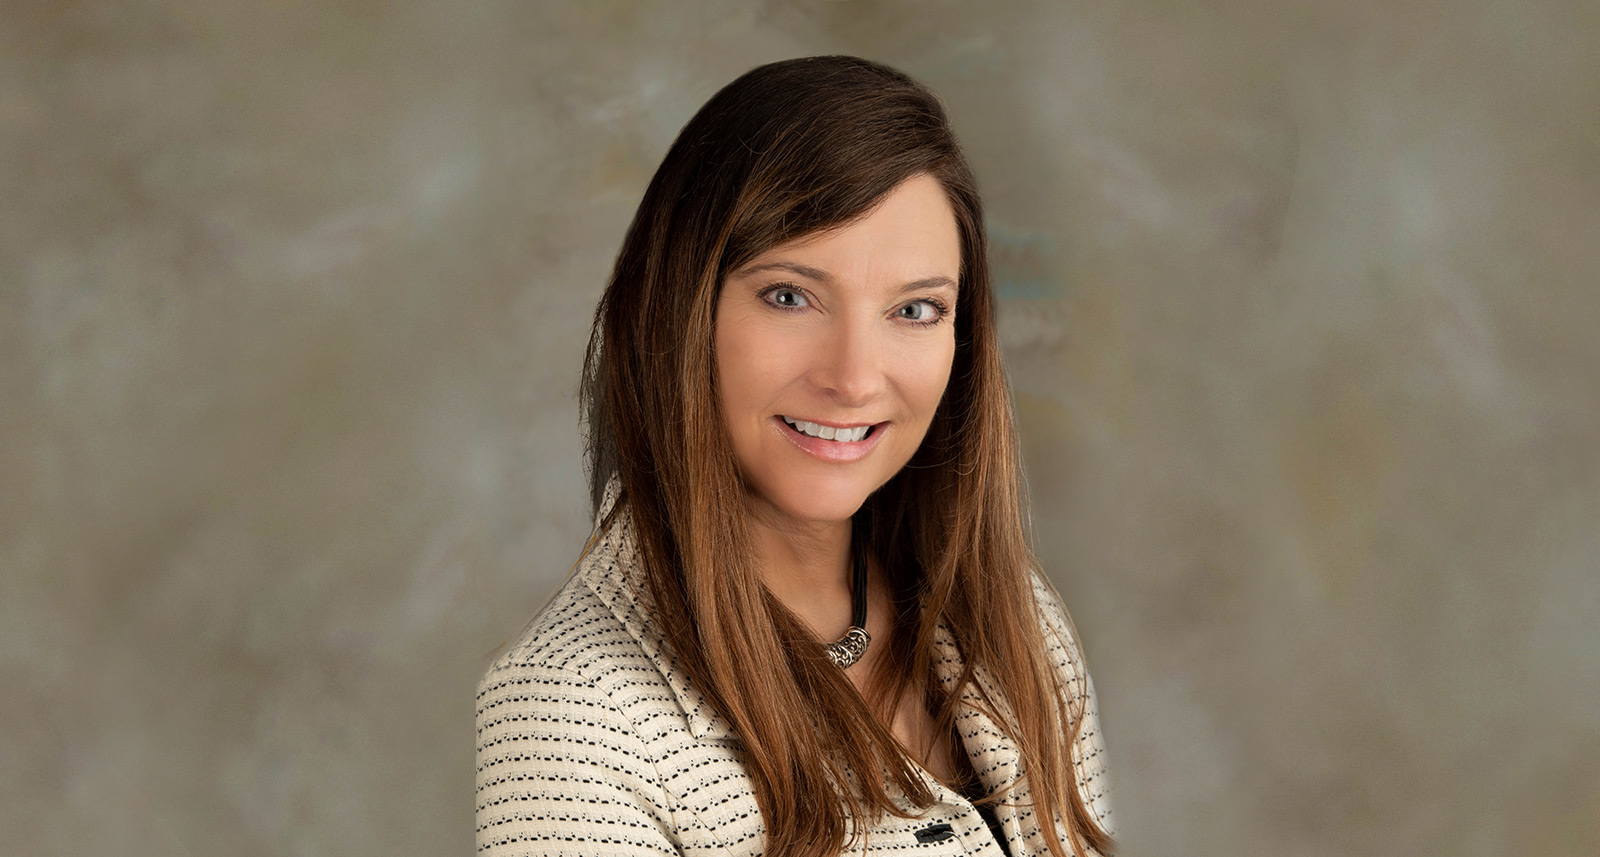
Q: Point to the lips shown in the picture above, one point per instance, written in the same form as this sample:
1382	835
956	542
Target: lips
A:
811	438
838	434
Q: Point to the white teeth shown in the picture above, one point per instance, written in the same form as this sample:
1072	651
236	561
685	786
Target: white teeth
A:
844	435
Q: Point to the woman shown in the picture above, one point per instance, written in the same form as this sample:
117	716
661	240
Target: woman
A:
808	620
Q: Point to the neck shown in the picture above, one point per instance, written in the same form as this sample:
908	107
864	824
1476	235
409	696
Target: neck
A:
806	566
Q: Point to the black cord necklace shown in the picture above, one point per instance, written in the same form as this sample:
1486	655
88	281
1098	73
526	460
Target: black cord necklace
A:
849	648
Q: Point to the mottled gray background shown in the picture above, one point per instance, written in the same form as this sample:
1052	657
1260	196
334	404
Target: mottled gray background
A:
1300	301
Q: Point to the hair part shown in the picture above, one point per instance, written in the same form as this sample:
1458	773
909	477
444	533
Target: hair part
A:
788	150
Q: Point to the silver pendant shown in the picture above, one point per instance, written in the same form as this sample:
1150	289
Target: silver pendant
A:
849	649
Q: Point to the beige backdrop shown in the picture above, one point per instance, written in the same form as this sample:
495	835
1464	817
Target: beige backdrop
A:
1300	304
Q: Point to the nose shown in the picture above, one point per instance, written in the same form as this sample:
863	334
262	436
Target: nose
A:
850	367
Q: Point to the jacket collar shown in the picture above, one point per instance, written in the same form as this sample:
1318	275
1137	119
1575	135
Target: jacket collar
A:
612	569
994	755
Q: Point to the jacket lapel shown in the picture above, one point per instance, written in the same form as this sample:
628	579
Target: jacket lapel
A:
612	569
995	756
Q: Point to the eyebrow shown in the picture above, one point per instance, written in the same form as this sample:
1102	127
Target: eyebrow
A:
824	277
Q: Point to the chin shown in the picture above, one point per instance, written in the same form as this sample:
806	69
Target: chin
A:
832	500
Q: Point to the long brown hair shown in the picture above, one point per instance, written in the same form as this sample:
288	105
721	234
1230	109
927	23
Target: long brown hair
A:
785	151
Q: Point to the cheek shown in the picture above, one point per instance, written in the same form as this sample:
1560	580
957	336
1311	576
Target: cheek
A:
925	385
743	375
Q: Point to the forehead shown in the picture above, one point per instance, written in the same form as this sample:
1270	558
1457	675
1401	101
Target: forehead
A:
910	234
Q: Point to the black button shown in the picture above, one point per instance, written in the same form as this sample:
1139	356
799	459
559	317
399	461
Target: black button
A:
935	833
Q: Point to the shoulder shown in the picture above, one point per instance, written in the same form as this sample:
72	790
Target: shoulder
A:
1060	637
559	753
573	633
1066	655
589	732
575	655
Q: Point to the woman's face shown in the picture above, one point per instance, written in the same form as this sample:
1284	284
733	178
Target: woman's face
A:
832	352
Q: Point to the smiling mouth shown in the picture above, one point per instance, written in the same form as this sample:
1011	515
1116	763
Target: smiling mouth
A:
837	435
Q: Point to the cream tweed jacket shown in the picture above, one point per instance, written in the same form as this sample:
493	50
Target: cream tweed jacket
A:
591	740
